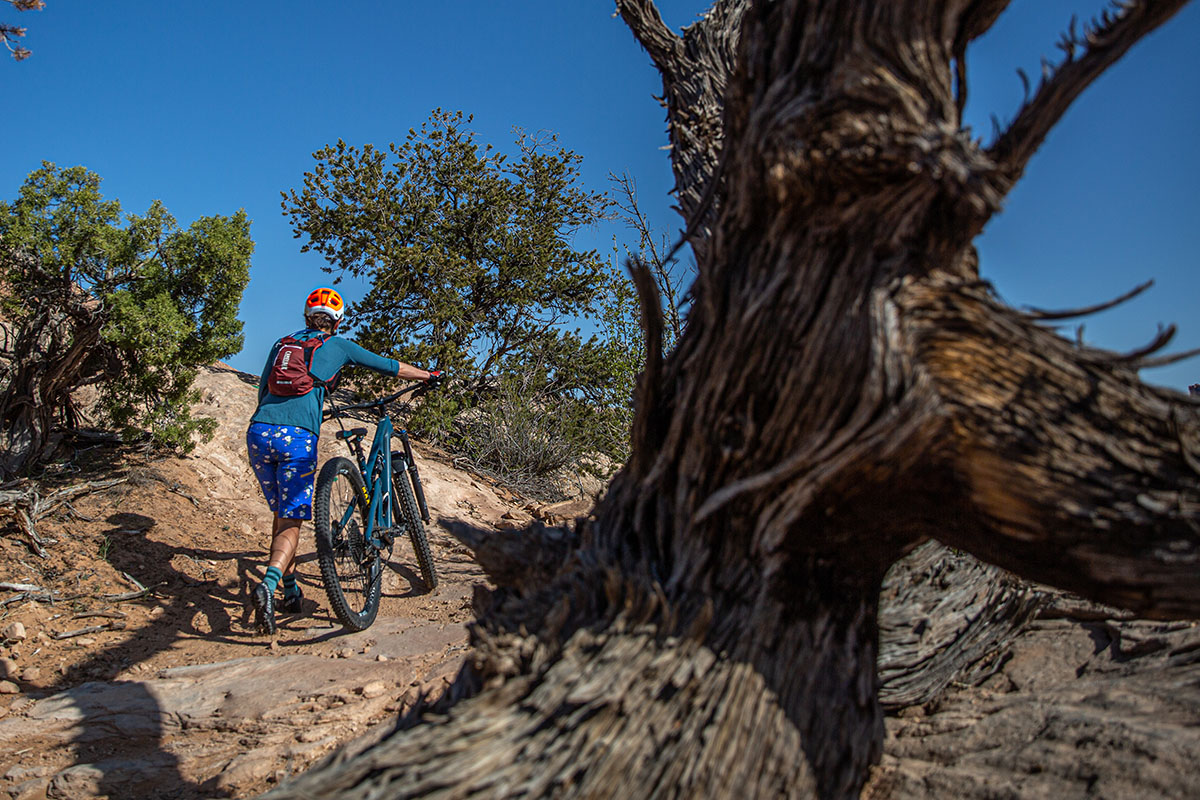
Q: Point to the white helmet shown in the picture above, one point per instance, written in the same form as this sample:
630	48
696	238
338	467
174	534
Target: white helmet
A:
326	301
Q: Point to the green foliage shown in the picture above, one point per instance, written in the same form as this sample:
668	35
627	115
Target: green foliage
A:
133	305
472	269
624	342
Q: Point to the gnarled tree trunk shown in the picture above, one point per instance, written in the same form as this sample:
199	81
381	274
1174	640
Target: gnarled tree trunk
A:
52	354
847	387
977	606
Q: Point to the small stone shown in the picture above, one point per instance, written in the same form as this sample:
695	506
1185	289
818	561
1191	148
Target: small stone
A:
310	735
8	687
381	657
15	632
373	689
157	611
84	641
345	652
8	669
274	645
31	674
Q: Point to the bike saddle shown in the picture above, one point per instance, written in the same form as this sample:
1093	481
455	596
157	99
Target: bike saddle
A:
353	433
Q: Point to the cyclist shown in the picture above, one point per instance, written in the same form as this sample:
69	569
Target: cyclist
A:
282	437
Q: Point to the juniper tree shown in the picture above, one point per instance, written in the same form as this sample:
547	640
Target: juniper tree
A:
131	306
470	258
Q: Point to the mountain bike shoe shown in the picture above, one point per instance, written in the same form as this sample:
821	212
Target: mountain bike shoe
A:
264	609
292	603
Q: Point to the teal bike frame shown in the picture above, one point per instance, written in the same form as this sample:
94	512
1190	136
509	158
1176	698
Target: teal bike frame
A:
377	469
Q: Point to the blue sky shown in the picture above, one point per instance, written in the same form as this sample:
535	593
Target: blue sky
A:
218	105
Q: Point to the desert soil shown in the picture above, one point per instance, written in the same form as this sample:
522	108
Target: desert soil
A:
174	694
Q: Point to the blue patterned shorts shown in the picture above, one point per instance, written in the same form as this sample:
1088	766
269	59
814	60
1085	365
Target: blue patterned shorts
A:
284	459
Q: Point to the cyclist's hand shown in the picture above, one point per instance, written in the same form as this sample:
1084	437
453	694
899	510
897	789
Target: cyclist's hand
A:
435	379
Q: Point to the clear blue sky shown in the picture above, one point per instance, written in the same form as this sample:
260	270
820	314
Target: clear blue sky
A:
217	105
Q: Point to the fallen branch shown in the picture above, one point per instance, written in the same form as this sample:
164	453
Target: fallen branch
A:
21	587
28	506
172	486
47	597
61	496
25	521
108	614
115	625
117	598
136	583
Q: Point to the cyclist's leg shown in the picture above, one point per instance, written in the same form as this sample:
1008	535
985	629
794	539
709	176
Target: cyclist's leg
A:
264	461
297	473
285	540
260	453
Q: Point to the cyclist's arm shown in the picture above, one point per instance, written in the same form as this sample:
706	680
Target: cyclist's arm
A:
411	373
362	357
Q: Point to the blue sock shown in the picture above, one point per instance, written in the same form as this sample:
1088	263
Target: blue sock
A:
272	578
290	589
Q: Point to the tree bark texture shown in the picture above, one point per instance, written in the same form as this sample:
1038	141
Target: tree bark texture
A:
695	68
51	355
945	617
846	388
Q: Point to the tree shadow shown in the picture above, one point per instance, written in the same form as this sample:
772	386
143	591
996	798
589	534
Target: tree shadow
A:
121	747
123	739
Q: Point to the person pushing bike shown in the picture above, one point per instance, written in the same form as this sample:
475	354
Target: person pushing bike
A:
282	438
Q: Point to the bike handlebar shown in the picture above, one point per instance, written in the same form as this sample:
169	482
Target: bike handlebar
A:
333	410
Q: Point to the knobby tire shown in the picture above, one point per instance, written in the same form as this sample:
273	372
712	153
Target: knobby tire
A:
351	572
404	509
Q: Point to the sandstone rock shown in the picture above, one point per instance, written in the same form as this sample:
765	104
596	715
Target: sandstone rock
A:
249	768
15	632
314	734
566	511
115	777
32	789
31	674
8	669
20	772
373	689
8	687
85	641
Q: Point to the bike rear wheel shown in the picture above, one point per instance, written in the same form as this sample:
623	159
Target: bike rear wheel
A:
350	569
404	509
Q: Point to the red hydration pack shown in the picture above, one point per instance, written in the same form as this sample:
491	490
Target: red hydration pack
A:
290	375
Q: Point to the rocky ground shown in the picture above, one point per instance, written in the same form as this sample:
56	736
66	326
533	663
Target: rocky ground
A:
128	666
106	691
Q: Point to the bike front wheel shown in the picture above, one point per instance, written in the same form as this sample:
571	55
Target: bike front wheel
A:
350	568
404	509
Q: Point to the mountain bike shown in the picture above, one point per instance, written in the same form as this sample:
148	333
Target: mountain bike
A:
358	520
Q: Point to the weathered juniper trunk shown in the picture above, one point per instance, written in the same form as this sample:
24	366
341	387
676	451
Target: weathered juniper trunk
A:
846	388
943	613
49	354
